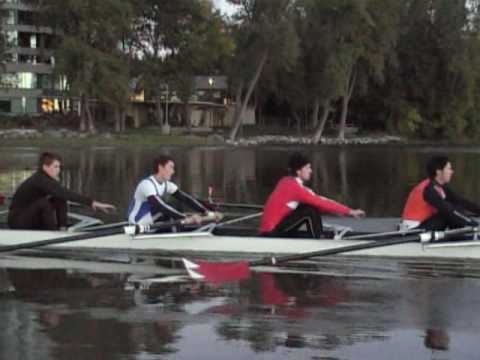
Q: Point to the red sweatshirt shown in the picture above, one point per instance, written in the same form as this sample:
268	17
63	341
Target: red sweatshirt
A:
288	194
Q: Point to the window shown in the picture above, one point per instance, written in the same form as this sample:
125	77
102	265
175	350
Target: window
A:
33	41
61	83
8	80
44	81
25	18
10	18
12	38
27	81
5	106
29	59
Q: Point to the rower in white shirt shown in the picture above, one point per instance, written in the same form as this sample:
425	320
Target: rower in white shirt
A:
149	205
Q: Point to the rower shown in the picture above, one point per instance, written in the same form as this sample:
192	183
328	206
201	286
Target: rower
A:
149	205
292	204
40	202
432	205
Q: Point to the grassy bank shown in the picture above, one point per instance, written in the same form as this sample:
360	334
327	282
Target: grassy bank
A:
142	137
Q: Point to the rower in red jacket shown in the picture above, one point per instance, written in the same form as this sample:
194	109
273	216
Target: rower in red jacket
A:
432	205
292	204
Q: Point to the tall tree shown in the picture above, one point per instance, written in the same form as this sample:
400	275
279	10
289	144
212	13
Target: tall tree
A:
265	36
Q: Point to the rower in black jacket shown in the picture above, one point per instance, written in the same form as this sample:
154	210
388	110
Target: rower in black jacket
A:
40	202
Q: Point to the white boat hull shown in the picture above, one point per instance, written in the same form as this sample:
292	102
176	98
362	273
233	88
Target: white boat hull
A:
203	243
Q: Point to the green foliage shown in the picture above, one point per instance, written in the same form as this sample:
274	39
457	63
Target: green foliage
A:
176	40
410	123
413	65
88	52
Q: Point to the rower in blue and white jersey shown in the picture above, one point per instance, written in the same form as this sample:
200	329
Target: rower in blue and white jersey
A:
149	205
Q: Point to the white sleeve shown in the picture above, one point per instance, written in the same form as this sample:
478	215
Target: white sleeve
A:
171	187
146	189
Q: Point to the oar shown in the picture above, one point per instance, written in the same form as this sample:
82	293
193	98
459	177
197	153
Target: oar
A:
128	230
210	227
230	271
209	202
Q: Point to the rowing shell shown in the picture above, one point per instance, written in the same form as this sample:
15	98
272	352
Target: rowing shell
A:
203	243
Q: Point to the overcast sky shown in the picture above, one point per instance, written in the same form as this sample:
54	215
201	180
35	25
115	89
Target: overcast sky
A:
224	6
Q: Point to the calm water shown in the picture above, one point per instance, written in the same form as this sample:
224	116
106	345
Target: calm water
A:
342	308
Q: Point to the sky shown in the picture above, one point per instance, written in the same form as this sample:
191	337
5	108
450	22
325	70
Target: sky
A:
224	6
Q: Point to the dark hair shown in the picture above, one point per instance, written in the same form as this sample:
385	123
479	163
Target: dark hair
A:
162	160
296	162
436	163
47	158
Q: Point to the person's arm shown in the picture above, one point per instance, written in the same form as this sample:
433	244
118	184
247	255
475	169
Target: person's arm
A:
433	197
455	199
157	204
446	208
190	201
54	188
322	203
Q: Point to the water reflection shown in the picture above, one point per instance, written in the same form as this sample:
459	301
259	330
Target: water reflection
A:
374	178
64	314
348	309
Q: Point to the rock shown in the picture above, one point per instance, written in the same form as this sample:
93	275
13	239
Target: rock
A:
295	140
56	134
215	139
107	136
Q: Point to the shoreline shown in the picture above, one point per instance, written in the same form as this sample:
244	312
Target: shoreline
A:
153	137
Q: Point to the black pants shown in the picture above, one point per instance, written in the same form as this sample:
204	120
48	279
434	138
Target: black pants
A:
303	214
443	221
46	213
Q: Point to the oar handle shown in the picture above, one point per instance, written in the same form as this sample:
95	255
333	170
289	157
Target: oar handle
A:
133	230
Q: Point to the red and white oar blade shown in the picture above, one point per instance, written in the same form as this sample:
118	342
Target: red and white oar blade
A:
219	272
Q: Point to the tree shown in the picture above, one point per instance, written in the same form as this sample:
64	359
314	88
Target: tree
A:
88	53
264	35
177	40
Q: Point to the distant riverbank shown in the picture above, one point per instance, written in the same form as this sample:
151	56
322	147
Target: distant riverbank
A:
154	137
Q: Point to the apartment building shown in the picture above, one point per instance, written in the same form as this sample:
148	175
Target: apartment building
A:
27	84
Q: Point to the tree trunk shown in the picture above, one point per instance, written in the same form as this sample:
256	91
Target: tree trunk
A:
159	109
321	126
83	113
123	120
342	162
187	117
90	118
316	108
238	103
119	119
237	121
298	120
345	101
136	118
117	126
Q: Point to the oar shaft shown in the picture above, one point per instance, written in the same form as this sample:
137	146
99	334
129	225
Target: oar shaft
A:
128	230
59	240
426	236
234	205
